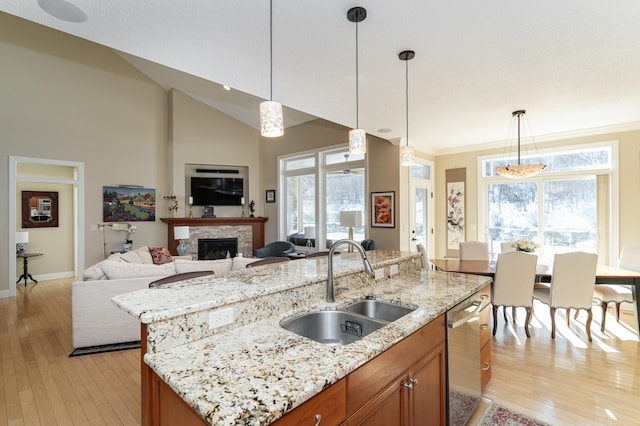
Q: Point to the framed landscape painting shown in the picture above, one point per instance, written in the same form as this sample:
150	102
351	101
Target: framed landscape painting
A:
128	204
383	212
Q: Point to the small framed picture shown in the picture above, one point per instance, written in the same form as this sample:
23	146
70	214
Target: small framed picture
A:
383	209
271	196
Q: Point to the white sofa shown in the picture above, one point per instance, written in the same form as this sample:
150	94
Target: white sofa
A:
97	321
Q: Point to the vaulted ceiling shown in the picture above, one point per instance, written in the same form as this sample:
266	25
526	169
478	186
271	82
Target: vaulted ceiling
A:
573	64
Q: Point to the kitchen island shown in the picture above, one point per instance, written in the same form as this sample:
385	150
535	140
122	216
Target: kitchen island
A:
254	372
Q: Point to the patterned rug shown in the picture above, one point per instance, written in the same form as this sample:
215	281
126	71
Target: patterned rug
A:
461	407
498	415
105	348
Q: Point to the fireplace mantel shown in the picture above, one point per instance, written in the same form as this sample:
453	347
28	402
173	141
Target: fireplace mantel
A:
256	223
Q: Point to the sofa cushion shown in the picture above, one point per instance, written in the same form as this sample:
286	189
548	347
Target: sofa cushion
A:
240	263
131	257
120	270
95	272
219	266
160	255
144	254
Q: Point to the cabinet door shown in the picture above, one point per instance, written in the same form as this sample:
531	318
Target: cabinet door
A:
388	408
427	403
328	408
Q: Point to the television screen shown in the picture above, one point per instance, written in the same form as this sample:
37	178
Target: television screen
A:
210	191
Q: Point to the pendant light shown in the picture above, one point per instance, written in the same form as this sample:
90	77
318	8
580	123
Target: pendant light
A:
407	153
519	170
357	136
271	117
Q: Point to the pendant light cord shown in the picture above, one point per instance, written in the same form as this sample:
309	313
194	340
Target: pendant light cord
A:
271	50
357	72
406	63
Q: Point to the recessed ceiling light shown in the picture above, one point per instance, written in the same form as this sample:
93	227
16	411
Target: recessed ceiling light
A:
64	10
384	130
225	87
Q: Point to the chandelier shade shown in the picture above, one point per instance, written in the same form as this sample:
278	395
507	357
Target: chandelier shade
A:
271	116
357	136
407	156
520	170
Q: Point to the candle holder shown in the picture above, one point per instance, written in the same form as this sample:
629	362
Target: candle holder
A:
190	211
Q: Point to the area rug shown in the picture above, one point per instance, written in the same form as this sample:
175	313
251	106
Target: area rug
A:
497	415
461	407
105	348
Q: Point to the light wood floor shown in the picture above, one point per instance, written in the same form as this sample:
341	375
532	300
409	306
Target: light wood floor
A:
563	382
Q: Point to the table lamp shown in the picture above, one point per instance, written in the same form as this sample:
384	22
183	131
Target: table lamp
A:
22	238
181	233
309	233
351	219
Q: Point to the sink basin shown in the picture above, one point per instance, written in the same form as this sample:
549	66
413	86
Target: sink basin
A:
379	309
333	328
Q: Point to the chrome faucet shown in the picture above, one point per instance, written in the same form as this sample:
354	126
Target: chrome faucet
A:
367	266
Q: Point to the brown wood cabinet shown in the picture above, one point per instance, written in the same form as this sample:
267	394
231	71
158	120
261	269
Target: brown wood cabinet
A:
405	385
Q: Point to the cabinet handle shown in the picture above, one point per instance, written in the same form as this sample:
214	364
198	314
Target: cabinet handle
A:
486	367
318	419
484	296
414	381
411	384
484	326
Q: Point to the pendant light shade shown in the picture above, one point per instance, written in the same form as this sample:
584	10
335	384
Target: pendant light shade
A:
271	117
357	136
520	170
407	153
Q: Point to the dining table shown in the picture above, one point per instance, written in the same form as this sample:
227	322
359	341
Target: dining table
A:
604	274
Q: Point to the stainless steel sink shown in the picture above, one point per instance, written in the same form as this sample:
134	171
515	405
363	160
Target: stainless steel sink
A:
379	309
333	328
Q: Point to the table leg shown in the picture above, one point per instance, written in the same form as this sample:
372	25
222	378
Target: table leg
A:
634	293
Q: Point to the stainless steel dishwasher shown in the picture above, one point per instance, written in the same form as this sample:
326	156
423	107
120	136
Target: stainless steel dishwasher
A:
463	361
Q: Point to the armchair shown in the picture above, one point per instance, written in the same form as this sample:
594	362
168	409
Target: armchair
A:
275	249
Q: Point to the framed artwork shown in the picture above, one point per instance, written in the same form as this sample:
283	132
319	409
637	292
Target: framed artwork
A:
271	196
383	209
456	216
128	204
39	209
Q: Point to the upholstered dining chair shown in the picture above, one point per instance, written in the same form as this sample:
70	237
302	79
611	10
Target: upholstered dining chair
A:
513	285
572	283
267	261
474	250
423	253
507	247
605	294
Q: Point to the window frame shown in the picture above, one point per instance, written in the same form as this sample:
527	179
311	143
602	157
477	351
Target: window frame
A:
612	208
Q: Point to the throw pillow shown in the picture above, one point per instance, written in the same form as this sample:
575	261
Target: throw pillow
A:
219	266
160	255
144	254
95	272
131	257
123	270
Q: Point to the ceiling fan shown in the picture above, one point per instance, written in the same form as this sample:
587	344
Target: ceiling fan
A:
349	171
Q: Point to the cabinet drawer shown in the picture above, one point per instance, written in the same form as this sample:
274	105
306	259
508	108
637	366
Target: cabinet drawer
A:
484	295
330	404
485	326
485	365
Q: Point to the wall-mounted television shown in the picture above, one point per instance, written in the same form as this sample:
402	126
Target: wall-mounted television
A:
216	191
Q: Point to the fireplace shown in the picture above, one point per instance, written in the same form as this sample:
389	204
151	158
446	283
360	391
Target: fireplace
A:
217	248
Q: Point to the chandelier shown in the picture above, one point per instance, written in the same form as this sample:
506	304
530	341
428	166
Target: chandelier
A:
519	170
407	153
271	117
357	136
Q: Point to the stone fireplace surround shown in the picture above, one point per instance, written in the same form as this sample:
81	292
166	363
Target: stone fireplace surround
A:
248	230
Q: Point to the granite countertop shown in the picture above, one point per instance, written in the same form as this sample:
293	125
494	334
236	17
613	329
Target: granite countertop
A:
253	374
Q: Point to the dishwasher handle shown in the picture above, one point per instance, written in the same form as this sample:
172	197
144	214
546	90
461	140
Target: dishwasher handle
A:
453	322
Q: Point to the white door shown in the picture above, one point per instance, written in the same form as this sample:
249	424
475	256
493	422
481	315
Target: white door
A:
421	216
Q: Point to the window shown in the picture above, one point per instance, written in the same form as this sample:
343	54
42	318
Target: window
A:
565	208
316	188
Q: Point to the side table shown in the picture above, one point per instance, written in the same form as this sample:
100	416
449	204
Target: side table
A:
25	271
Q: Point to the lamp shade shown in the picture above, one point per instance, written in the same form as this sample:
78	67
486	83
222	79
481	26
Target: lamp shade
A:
351	218
22	237
181	233
407	156
271	119
309	231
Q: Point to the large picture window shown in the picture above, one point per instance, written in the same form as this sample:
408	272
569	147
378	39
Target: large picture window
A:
565	208
317	186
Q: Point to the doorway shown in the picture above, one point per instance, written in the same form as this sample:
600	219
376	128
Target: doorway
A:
421	214
72	173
